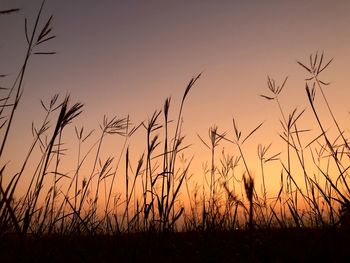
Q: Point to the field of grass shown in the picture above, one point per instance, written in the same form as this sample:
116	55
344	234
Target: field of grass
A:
79	217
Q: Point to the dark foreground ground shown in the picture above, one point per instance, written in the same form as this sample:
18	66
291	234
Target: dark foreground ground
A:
288	245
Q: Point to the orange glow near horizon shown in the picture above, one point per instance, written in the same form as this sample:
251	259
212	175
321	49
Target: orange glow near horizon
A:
121	58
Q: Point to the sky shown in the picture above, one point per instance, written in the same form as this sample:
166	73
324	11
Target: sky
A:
127	57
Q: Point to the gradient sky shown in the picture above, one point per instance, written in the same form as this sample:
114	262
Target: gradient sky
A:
126	57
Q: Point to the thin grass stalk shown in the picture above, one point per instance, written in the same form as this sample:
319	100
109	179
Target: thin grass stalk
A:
310	95
22	72
92	171
55	179
166	173
176	140
37	135
128	135
127	188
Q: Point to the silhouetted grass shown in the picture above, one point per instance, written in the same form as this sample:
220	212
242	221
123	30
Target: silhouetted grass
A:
150	214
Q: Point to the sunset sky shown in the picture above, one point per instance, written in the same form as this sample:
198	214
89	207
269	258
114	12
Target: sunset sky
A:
126	57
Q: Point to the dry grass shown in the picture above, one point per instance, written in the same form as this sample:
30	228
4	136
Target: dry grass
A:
151	201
